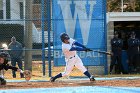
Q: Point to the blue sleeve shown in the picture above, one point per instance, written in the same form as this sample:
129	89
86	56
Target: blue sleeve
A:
78	44
77	49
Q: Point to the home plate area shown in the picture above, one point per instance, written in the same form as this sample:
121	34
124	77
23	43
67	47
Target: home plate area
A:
74	85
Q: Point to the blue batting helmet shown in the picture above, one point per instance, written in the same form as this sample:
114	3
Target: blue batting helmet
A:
64	36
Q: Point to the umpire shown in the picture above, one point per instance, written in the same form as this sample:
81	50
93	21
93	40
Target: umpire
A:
133	50
116	48
16	55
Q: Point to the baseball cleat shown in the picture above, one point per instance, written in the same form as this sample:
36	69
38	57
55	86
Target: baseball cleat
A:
52	79
92	78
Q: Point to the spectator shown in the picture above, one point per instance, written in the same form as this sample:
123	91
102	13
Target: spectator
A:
116	48
133	50
16	55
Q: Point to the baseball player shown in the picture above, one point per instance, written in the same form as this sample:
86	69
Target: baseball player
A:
133	51
69	48
5	66
116	48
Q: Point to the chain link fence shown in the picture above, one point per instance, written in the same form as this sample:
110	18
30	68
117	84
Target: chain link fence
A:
32	23
23	20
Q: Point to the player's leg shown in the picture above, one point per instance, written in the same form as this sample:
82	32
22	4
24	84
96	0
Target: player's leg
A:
134	61
82	68
130	65
13	63
113	60
68	69
119	60
19	61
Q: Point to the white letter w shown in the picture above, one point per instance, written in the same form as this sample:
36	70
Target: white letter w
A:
79	10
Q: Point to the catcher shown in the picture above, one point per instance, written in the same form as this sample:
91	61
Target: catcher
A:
5	66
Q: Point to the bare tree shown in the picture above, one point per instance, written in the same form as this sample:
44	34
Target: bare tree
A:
28	35
133	4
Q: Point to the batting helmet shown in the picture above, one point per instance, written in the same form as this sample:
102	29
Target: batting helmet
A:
64	36
5	56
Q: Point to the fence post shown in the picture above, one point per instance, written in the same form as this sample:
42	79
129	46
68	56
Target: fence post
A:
49	29
105	34
43	45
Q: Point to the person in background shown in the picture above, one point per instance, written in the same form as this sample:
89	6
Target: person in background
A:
116	48
16	55
133	50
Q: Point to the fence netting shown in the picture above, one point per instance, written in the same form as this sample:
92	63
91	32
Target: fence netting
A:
33	25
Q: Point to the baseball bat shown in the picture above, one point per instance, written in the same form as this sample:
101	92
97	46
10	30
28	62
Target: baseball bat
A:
102	52
98	51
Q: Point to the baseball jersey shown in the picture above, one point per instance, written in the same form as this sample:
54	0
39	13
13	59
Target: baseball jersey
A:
66	49
133	46
13	47
116	45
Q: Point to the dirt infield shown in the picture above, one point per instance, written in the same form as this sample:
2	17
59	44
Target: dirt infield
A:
37	75
120	83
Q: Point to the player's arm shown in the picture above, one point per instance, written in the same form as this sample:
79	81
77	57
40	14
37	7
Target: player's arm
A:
7	66
76	48
121	43
138	42
78	44
21	49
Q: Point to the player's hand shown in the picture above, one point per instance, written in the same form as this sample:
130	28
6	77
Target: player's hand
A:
88	49
19	70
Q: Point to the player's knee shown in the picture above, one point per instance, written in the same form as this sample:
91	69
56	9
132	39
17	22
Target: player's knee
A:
65	74
83	70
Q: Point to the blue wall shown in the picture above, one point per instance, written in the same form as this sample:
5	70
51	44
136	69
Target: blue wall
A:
83	20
